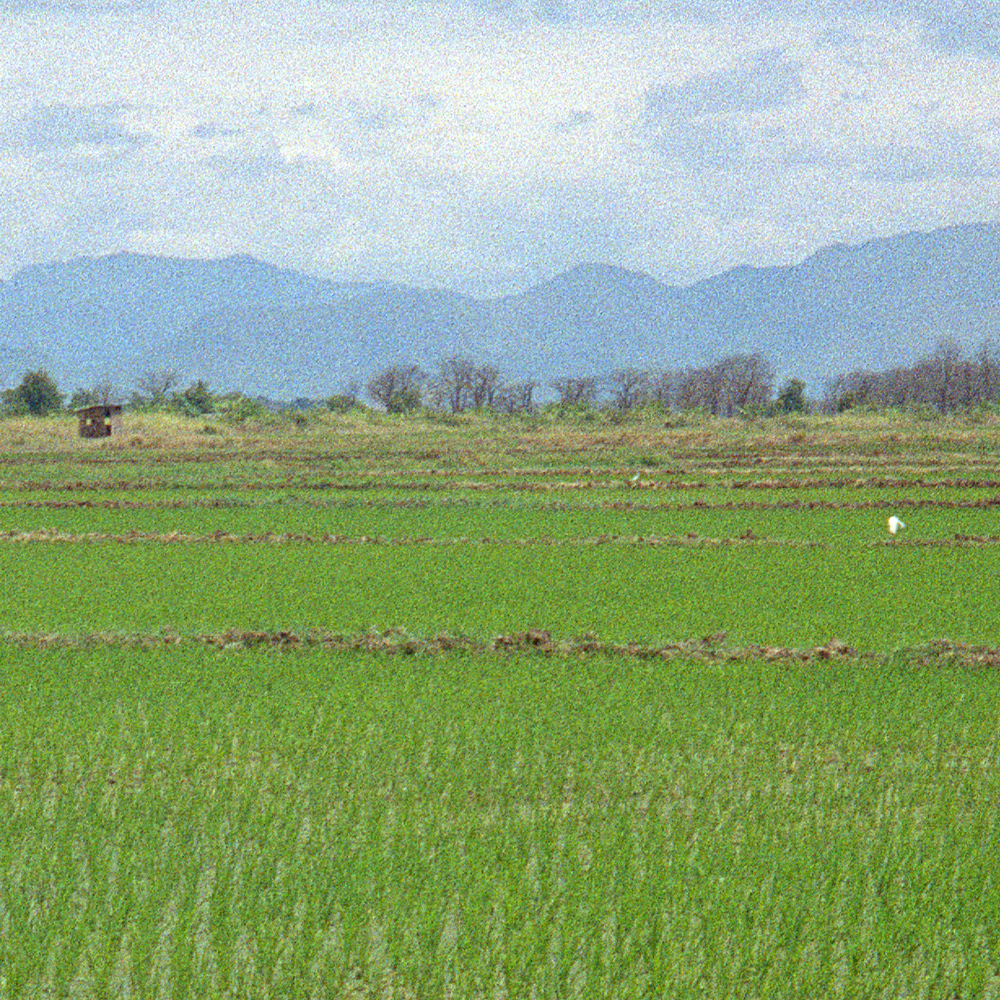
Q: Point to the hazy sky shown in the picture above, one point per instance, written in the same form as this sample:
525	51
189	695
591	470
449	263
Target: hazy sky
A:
486	146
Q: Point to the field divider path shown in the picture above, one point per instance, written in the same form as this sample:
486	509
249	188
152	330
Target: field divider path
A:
712	649
411	503
689	540
53	536
515	480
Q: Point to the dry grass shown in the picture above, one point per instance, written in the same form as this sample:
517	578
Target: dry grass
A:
849	444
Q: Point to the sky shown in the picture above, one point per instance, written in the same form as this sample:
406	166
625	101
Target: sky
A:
487	146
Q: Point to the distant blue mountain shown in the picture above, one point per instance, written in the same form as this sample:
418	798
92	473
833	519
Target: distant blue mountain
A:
241	323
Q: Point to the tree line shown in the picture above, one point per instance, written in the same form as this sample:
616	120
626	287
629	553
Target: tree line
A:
944	381
38	394
734	384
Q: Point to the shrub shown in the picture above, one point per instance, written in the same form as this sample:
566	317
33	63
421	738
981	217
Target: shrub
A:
405	401
237	409
341	402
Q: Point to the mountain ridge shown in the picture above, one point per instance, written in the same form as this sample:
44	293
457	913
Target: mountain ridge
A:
240	322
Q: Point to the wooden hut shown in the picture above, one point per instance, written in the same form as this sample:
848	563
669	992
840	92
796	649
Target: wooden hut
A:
100	421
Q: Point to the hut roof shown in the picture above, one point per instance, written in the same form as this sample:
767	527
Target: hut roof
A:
101	409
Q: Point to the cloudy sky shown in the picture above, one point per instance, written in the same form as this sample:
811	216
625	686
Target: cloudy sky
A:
485	146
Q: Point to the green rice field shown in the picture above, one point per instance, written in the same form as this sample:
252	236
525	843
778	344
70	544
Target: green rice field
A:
384	708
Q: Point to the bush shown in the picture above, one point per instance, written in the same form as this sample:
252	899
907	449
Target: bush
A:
445	418
583	413
185	408
238	408
405	401
194	400
341	402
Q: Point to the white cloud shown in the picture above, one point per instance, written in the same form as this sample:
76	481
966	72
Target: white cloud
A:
64	126
766	80
482	146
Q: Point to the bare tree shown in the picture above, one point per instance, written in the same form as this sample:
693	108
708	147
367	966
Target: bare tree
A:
630	387
693	390
850	390
515	397
485	379
576	391
104	393
703	388
895	388
463	384
663	388
943	380
937	376
964	386
435	394
397	388
987	364
155	383
741	381
455	383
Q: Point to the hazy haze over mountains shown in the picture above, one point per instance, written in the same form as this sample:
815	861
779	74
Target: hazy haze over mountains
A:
241	323
485	146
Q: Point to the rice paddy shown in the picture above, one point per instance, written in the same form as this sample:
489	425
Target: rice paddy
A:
384	708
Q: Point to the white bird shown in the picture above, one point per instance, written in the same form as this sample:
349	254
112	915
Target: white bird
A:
635	480
895	524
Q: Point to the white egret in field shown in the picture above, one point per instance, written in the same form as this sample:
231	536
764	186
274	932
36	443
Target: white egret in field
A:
636	479
895	525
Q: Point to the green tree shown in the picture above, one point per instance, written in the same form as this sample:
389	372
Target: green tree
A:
100	394
37	394
82	398
195	399
792	398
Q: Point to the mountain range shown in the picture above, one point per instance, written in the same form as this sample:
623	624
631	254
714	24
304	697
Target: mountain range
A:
239	322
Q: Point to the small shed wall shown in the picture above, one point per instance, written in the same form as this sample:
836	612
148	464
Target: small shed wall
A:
100	421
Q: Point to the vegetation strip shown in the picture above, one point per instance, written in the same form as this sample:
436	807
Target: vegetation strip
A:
284	538
224	503
908	503
454	480
707	649
692	539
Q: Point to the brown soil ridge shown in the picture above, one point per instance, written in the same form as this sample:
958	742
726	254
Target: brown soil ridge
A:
707	649
54	536
689	540
514	480
224	503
